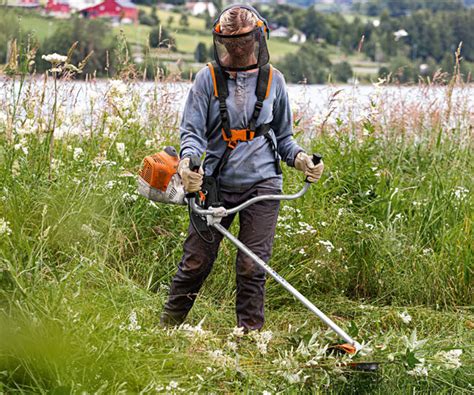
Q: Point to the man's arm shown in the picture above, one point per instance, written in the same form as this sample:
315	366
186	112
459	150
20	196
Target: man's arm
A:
192	130
282	123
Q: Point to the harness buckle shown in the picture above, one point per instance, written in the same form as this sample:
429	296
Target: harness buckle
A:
237	135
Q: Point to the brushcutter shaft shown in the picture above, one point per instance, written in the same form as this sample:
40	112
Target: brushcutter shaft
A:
331	324
226	212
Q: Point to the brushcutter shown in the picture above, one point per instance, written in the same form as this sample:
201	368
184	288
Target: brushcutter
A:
159	181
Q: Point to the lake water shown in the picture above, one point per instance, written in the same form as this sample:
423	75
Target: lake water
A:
312	103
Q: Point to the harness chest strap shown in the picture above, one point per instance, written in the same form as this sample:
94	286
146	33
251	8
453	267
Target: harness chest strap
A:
234	136
221	92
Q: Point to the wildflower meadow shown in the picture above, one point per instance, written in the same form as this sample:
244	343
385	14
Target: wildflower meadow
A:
383	244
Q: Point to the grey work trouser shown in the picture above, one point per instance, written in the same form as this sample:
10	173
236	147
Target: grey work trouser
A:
257	230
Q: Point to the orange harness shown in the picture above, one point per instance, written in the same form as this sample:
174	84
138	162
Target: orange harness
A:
264	83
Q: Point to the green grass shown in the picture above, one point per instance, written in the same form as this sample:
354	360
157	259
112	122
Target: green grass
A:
81	256
194	23
40	26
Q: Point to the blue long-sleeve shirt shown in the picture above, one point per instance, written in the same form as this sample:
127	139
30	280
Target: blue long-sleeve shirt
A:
251	161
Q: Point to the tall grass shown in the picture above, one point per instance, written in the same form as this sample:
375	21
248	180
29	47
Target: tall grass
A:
85	263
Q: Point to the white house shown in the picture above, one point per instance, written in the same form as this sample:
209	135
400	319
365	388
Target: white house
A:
200	7
280	31
298	37
22	3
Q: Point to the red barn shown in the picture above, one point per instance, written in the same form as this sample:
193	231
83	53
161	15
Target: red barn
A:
115	9
58	7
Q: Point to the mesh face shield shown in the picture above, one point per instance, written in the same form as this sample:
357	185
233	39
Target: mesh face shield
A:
241	52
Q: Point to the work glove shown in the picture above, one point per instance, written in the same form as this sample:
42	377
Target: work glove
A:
304	163
192	181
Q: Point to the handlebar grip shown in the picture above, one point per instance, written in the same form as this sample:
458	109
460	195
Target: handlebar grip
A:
194	163
317	159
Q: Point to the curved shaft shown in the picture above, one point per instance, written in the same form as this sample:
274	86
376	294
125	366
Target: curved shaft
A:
222	212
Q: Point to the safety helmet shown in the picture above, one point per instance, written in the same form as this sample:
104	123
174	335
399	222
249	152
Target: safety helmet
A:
243	51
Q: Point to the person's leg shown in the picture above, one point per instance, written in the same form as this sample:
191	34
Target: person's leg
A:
257	230
193	269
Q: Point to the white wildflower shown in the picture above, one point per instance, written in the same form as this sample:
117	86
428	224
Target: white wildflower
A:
399	217
427	251
172	385
460	192
232	345
292	378
133	325
54	58
78	152
341	211
89	230
450	359
262	339
326	243
369	226
302	251
413	343
238	331
130	197
266	392
365	349
194	330
120	148
406	318
22	146
149	143
5	227
220	357
117	88
110	184
418	371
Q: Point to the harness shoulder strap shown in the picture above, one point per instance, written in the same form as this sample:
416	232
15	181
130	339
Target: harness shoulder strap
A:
264	82
219	80
221	91
262	90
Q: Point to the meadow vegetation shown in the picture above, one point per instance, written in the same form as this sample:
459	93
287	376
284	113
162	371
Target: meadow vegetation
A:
383	244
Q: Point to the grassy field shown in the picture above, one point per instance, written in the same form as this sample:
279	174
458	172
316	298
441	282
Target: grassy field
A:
382	244
187	38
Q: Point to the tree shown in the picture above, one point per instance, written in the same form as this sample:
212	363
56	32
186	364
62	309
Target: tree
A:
200	54
208	21
154	15
145	19
160	38
91	35
342	72
9	30
310	64
183	20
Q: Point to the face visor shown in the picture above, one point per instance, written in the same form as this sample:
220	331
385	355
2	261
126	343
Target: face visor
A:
241	52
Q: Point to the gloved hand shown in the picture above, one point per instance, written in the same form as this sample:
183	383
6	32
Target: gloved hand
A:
192	181
304	163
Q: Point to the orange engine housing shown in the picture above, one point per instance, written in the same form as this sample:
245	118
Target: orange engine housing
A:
158	168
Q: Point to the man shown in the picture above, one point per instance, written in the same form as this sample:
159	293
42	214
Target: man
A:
239	114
